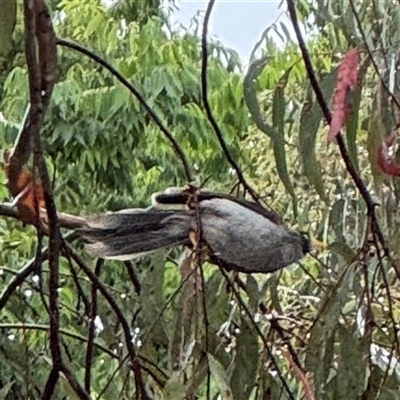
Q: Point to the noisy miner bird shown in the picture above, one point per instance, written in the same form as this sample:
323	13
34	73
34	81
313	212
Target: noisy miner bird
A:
239	234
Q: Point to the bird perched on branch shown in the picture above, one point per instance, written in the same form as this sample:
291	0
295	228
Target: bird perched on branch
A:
238	234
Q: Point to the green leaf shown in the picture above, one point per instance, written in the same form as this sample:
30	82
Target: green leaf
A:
277	137
320	348
310	120
6	388
246	363
219	375
174	388
252	291
278	147
94	24
8	17
351	377
279	103
352	122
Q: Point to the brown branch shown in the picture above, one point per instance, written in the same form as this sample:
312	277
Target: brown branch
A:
258	330
46	70
301	376
374	64
83	339
65	220
207	107
133	277
157	120
50	386
40	41
92	316
124	323
25	271
370	203
37	20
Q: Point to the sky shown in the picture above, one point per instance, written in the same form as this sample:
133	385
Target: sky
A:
237	24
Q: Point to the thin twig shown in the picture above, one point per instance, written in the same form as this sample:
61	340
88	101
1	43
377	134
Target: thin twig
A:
81	292
301	376
376	68
92	316
207	107
199	266
259	332
124	323
83	339
25	271
133	277
370	203
157	120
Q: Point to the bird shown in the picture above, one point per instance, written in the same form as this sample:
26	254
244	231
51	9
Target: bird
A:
238	234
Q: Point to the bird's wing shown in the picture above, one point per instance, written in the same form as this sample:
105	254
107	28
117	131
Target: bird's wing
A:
181	196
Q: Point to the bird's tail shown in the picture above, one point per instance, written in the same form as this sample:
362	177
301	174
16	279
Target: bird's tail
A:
128	233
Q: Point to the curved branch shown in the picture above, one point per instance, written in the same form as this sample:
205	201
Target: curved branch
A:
83	339
91	333
8	210
376	68
370	203
136	366
25	271
277	139
157	120
258	330
207	107
65	220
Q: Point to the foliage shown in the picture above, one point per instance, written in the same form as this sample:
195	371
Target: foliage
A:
329	327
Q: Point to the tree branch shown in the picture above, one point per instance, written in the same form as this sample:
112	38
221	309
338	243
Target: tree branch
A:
370	203
370	55
124	323
65	220
92	316
258	330
157	120
207	107
25	271
83	339
38	24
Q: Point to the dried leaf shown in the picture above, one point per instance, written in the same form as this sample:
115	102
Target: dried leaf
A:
347	82
385	155
28	195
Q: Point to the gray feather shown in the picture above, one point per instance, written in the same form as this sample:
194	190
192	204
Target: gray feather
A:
239	237
247	241
127	234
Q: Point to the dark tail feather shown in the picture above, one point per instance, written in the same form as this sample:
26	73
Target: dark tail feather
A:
126	234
